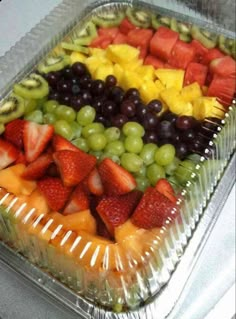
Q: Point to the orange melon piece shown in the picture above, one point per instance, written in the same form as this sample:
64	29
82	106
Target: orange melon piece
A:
11	180
38	201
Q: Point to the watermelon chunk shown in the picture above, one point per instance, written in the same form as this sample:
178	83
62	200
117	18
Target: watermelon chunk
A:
195	72
200	50
222	88
155	62
181	55
225	66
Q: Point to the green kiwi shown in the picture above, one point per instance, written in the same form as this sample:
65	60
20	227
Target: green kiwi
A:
87	34
185	37
139	18
208	39
74	47
2	128
11	108
32	87
111	19
165	21
52	63
184	28
233	49
224	45
174	25
158	20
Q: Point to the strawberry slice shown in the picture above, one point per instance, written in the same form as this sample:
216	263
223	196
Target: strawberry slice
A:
164	187
37	168
115	210
8	153
21	159
78	201
14	132
36	137
153	210
115	179
74	166
94	183
59	143
55	193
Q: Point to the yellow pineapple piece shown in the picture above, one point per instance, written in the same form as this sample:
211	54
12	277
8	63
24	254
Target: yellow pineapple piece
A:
103	71
172	98
191	92
122	53
207	107
77	57
148	91
97	52
118	72
93	62
171	78
146	72
132	65
130	80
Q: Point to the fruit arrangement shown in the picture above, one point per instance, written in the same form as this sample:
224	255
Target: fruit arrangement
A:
99	141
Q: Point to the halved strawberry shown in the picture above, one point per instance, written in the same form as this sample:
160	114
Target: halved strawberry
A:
14	132
8	153
74	166
78	201
37	168
59	143
164	187
94	183
153	210
21	159
116	180
115	210
55	193
36	137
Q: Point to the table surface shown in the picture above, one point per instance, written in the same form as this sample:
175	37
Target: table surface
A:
211	292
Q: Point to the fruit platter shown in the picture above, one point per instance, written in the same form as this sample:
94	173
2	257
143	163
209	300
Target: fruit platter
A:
113	138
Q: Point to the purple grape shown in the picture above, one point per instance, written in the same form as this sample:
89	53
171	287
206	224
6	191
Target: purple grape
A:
141	112
165	129
108	108
67	73
131	93
97	103
150	137
171	117
128	108
116	94
77	102
110	81
181	150
184	122
98	87
175	139
154	106
102	119
53	78
65	99
119	120
54	96
79	69
150	121
75	89
85	82
189	135
74	81
87	97
64	86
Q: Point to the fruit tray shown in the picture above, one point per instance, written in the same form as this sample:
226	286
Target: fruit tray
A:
116	149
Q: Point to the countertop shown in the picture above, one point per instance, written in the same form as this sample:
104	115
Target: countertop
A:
211	288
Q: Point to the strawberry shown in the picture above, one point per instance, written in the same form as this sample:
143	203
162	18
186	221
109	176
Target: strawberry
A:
164	187
37	168
8	153
59	143
55	193
94	183
14	132
78	201
153	210
36	137
73	166
115	210
116	180
21	159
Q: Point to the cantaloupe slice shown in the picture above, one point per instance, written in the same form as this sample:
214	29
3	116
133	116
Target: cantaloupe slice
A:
38	201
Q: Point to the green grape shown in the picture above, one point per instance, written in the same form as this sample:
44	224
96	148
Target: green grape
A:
2	128
97	141
133	144
35	116
63	128
112	134
97	154
81	143
92	129
76	128
133	128
171	168
165	154
49	118
66	113
50	106
142	172
30	106
174	182
184	171
148	153
154	173
86	115
115	148
40	102
131	162
142	183
113	157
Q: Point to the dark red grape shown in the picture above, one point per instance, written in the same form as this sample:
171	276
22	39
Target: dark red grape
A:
85	82
141	111
110	81
154	106
165	129
189	135
97	87
131	93
175	138
181	150
128	108
65	99
108	108
53	78
150	137
67	73
64	86
87	97
75	89
102	119
116	94
184	122
150	121
54	96
79	69
74	81
77	102
168	116
97	103
119	120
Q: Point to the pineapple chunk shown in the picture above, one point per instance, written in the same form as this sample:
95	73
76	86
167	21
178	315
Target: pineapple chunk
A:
94	62
147	72
132	65
207	107
103	71
77	57
159	86
171	78
118	72
130	80
122	53
191	92
97	52
148	91
172	98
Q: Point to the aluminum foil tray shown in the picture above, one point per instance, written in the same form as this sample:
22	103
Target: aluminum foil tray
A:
153	284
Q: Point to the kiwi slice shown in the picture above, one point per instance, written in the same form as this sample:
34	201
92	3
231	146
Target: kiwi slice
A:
11	108
52	63
224	45
139	18
87	34
32	87
184	28
208	39
108	19
74	47
2	128
185	37
174	25
165	21
158	20
233	49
